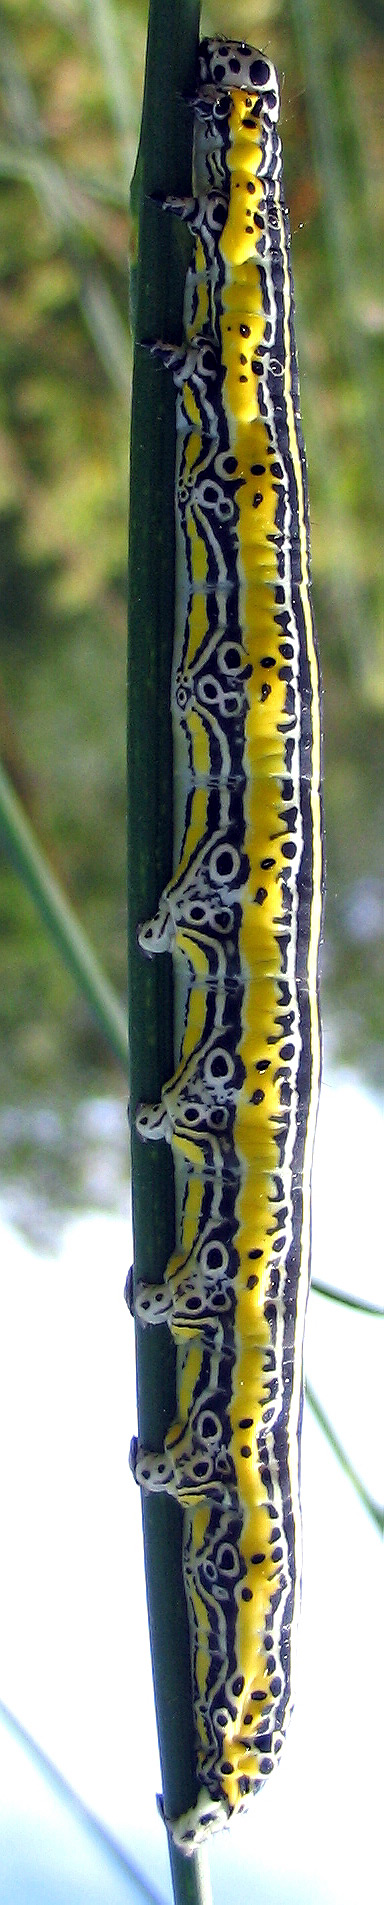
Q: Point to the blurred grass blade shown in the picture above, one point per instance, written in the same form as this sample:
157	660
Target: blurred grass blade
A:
19	98
106	328
351	1302
373	1508
323	42
106	189
316	39
27	857
63	198
144	1895
73	216
104	27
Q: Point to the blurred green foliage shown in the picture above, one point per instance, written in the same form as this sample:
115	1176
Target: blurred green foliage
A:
65	159
71	75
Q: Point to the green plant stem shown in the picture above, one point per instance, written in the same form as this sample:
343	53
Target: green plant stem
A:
190	1878
373	1508
16	835
351	1302
163	165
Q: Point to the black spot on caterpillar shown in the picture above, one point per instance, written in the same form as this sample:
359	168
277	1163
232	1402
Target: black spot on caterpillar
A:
242	916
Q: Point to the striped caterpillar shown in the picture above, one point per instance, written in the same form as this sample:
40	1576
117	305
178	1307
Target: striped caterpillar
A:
242	917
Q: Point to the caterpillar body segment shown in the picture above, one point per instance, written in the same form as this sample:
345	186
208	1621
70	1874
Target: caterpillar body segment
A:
242	917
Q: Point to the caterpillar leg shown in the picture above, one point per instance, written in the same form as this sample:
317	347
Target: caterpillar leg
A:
184	1470
128	1291
152	1121
150	1302
153	1303
184	208
183	1307
152	1472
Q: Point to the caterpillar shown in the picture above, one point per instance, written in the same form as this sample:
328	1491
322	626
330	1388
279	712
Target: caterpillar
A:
242	916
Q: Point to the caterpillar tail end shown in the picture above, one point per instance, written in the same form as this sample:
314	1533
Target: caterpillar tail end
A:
195	1826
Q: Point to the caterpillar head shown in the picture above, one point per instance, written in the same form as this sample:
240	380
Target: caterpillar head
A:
228	65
